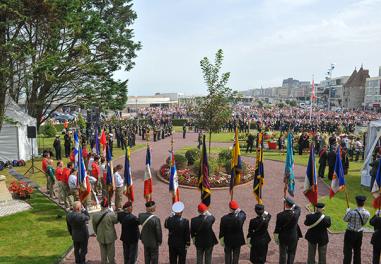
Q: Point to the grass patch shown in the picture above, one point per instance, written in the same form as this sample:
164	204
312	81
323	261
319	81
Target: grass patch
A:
35	236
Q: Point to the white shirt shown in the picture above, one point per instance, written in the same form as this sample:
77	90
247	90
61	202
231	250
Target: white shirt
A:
118	180
91	160
72	181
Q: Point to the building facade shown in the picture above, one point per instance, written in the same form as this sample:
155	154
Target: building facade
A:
372	99
354	89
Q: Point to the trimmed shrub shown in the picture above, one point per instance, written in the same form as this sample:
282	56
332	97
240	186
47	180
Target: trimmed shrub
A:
192	155
224	155
49	130
181	161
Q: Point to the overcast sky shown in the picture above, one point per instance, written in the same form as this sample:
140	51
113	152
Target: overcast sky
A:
264	41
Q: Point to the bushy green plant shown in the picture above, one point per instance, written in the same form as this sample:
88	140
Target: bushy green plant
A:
181	161
213	166
192	155
49	130
81	122
224	155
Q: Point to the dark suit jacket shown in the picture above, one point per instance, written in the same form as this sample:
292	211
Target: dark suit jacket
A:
331	158
376	223
76	225
130	228
318	234
258	230
179	233
231	229
323	157
151	234
202	231
287	225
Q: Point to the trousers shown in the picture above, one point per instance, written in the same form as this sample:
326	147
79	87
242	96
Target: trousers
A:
287	252
130	253
151	255
352	243
232	255
107	253
258	252
80	251
177	255
322	252
376	254
204	255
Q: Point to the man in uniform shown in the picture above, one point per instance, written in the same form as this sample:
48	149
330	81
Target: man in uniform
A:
231	233
250	143
376	237
258	235
67	143
184	130
356	219
130	233
317	235
104	227
203	235
151	234
57	147
287	231
323	157
179	234
77	226
331	158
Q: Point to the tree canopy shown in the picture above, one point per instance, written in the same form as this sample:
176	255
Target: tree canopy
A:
56	53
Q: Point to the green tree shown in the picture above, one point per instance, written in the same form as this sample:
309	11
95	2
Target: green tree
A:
214	109
73	48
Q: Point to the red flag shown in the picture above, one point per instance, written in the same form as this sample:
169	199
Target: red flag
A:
103	140
313	96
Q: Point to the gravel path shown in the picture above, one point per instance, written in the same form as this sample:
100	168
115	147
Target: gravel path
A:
273	193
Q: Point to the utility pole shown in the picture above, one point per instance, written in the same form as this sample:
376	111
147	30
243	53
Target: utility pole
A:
329	73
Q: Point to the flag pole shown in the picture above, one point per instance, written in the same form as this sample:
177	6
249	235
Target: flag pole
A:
346	196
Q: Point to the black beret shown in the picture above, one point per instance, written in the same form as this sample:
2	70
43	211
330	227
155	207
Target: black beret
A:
259	208
320	205
150	204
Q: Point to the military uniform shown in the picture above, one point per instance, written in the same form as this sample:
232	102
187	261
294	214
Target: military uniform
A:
288	232
231	233
258	236
317	235
376	237
178	237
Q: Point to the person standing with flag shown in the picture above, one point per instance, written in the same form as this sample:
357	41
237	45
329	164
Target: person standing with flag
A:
119	186
129	192
317	234
356	219
236	165
289	177
203	179
310	182
148	176
259	170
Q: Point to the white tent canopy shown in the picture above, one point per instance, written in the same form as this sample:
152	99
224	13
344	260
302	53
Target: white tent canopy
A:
373	135
14	144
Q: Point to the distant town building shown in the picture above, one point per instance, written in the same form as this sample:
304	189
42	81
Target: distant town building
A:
330	91
354	89
372	98
157	100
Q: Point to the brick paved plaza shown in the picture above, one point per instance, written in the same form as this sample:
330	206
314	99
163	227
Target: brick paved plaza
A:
273	193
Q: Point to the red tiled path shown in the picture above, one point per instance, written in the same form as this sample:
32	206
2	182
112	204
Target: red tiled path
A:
273	193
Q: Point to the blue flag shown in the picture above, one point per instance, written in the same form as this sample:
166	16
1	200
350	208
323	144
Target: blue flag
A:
289	177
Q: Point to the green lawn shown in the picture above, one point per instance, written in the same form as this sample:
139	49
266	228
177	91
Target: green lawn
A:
35	236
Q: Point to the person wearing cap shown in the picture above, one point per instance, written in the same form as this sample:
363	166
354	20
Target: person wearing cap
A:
317	234
104	227
151	234
76	221
356	219
376	237
231	233
203	235
258	235
130	233
57	147
179	234
287	231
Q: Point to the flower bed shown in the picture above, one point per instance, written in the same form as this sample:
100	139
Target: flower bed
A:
187	177
20	190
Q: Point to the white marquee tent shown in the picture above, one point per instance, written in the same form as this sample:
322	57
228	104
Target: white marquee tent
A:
14	144
373	136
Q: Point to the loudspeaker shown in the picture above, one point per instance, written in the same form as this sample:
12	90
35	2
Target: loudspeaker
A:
31	132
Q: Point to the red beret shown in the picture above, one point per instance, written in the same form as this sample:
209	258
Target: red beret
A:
233	205
202	208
